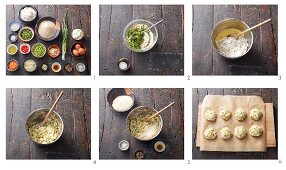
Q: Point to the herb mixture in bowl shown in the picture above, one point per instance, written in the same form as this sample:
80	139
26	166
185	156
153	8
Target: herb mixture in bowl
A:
138	37
26	34
47	133
140	126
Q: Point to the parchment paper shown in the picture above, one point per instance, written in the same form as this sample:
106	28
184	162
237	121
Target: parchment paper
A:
247	144
270	126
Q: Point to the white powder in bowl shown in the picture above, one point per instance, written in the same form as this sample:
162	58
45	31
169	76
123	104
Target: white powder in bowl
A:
28	14
122	103
232	47
123	65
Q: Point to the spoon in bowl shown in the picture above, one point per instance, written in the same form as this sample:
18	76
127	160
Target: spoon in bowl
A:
249	29
153	25
51	110
157	113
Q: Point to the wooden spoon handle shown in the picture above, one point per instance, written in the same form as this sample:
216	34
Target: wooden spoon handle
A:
161	110
255	26
52	108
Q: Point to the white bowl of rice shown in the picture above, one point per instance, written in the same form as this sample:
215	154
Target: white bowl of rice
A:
226	44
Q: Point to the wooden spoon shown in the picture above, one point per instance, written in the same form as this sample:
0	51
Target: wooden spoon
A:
249	29
157	113
51	109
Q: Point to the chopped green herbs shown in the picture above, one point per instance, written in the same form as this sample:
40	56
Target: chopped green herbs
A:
136	35
26	34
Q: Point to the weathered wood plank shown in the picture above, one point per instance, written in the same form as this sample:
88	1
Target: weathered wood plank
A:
202	48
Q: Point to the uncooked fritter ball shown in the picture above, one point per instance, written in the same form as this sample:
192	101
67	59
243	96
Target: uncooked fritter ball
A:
210	115
225	133
240	114
255	114
240	132
255	130
225	113
210	134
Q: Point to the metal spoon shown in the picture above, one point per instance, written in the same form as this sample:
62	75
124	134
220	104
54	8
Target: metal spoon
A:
153	25
249	29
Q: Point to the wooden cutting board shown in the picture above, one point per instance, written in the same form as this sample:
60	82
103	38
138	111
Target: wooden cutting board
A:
269	126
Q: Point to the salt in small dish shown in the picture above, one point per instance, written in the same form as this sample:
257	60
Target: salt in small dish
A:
80	67
13	38
123	145
123	64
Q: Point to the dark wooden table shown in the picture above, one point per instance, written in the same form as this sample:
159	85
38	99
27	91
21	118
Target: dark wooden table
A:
112	126
73	107
268	95
260	60
79	16
165	58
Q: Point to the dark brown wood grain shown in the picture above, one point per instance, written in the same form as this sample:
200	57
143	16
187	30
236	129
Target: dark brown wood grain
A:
73	107
260	60
112	126
79	16
113	20
268	96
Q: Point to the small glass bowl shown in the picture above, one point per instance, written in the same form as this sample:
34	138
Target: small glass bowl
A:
134	23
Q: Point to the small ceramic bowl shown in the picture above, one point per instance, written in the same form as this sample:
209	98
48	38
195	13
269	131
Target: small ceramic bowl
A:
68	68
55	48
159	146
39	44
31	21
31	61
12	46
12	70
80	67
73	48
56	67
14	26
123	145
123	64
25	52
26	28
139	154
38	116
15	38
115	92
